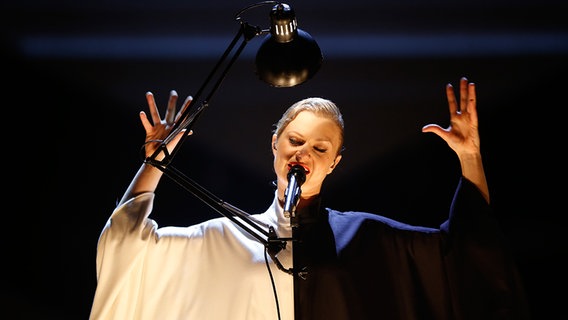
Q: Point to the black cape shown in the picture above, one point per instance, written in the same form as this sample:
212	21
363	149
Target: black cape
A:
358	265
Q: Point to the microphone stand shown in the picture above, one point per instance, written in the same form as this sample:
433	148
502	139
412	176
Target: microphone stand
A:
269	238
296	177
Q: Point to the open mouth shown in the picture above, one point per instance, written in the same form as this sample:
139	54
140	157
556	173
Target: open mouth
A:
290	165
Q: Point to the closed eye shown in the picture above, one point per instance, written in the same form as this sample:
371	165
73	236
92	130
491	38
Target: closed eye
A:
296	142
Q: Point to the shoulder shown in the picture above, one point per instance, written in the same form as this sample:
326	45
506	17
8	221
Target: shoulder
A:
355	219
203	229
351	227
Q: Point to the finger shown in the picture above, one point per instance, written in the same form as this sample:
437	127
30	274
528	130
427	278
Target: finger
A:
472	102
178	137
463	94
451	99
145	122
154	113
186	104
171	110
437	129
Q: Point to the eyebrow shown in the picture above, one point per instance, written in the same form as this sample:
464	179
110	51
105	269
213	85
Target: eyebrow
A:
325	139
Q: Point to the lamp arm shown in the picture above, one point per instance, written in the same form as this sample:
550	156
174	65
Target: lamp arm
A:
268	238
187	119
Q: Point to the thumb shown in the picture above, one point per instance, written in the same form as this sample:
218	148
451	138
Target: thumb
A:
178	137
434	128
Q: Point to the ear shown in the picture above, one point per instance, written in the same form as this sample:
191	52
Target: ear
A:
273	143
334	164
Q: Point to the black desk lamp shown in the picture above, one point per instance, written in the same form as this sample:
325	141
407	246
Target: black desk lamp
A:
287	57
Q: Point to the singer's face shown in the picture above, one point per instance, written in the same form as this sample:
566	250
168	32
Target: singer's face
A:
312	141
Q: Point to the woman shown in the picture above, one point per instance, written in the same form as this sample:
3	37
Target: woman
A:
347	265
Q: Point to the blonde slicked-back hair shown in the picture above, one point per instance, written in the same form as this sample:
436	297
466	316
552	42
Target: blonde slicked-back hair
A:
320	106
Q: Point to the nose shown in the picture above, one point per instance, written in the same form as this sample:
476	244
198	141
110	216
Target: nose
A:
302	153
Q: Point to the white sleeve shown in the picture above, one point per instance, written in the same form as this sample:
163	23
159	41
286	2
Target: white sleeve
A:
121	252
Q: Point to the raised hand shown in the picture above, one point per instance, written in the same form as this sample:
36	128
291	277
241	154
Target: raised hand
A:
462	135
158	129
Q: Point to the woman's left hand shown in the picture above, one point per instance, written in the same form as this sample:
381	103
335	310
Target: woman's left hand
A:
462	135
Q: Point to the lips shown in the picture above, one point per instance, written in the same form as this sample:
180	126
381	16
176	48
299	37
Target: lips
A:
290	165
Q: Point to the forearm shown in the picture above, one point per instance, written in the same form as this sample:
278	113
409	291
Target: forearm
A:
472	169
145	180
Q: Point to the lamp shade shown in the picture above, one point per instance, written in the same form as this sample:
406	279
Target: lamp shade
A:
288	56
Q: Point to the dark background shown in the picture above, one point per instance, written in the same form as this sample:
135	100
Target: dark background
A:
75	74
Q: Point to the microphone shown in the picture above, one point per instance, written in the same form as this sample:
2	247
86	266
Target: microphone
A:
296	177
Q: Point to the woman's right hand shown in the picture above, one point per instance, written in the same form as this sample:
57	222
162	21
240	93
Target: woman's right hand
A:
159	129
